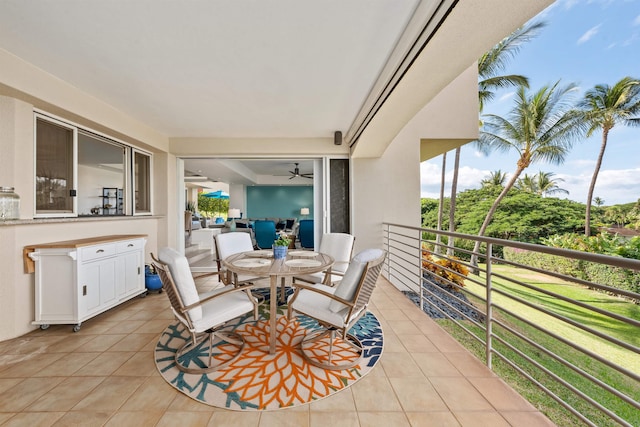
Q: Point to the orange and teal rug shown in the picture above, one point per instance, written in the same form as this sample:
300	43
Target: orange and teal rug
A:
258	380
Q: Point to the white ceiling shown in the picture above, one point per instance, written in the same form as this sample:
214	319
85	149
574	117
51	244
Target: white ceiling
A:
252	68
214	68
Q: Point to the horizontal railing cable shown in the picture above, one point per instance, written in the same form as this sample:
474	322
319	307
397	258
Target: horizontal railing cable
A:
425	268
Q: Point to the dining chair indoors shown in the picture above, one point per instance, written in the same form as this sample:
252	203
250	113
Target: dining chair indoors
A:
228	244
203	315
305	234
340	247
265	232
337	309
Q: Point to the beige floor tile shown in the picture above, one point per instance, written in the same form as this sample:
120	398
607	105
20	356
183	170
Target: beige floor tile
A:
393	314
105	364
83	419
334	419
134	342
153	326
480	419
137	365
23	365
137	419
26	392
375	393
33	419
121	385
234	419
32	344
284	418
446	343
96	326
154	395
183	403
527	419
432	419
125	327
4	416
338	402
101	342
416	343
428	326
403	327
7	383
383	419
417	394
435	365
469	365
184	419
67	365
66	395
110	394
400	365
459	394
500	395
70	343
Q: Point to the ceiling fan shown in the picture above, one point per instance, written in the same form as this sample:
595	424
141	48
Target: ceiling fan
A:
296	173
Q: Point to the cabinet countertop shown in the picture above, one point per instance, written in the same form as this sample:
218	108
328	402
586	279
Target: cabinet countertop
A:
29	266
76	243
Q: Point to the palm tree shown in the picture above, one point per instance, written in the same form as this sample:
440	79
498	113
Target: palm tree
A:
495	179
598	201
604	107
540	127
489	66
495	60
542	184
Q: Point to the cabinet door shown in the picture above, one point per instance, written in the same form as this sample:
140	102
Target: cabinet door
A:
132	272
97	285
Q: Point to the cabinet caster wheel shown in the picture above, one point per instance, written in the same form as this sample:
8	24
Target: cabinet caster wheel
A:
144	294
76	328
44	327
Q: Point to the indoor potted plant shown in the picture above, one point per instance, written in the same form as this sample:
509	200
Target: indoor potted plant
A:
280	246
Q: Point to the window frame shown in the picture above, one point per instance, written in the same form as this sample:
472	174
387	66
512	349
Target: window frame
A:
74	210
134	212
129	164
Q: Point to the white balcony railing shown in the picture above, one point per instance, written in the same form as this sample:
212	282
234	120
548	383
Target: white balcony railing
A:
577	340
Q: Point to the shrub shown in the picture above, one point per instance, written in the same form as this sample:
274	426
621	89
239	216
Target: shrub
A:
449	269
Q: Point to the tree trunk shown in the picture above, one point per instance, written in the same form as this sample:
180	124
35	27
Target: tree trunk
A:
441	204
487	219
452	203
587	217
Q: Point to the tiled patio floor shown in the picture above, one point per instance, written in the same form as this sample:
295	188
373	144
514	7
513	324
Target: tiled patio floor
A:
105	375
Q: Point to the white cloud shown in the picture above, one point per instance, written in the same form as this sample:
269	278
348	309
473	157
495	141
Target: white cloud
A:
589	34
507	96
614	186
636	21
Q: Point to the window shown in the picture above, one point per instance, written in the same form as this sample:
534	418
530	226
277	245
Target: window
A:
82	173
141	183
55	175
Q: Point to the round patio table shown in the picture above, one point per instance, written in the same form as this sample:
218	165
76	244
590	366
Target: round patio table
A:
261	263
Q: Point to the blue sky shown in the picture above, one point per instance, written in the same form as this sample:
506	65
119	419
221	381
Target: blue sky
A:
586	42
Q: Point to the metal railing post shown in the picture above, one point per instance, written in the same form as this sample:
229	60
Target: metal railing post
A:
489	308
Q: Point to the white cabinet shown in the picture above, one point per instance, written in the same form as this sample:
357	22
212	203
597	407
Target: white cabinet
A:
78	279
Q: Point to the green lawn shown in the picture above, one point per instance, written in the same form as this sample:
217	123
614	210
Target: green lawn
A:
601	323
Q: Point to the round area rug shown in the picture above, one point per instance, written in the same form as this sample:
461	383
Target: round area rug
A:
258	380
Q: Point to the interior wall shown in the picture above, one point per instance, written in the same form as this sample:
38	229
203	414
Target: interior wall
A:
266	201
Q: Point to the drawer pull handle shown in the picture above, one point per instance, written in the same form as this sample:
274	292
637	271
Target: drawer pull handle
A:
99	251
130	245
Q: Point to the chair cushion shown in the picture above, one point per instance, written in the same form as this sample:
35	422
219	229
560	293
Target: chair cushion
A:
347	287
181	273
222	309
317	306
